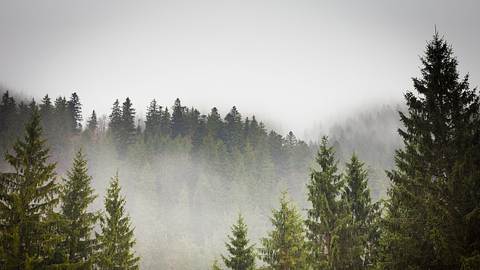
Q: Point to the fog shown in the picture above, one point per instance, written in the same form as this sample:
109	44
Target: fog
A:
314	67
294	64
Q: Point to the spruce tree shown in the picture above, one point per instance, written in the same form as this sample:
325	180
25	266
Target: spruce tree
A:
152	121
165	123
241	253
326	217
432	219
116	239
92	123
364	214
28	196
76	197
285	247
115	123
178	119
75	113
128	130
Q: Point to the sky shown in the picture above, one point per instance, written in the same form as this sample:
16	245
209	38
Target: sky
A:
294	64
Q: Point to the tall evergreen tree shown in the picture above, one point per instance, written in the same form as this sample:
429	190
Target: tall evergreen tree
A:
28	196
116	240
241	253
165	123
128	130
432	219
178	119
325	218
285	247
75	113
115	123
364	213
76	197
233	130
214	123
153	120
92	123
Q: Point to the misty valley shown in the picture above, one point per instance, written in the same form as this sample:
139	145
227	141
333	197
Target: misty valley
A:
389	187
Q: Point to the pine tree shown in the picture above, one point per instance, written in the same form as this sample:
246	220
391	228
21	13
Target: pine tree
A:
241	253
128	130
28	196
153	120
76	197
75	112
432	219
364	214
116	240
233	130
285	247
165	123
92	123
214	124
178	119
115	124
326	217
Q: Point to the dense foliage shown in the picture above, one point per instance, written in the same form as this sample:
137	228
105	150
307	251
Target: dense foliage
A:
188	174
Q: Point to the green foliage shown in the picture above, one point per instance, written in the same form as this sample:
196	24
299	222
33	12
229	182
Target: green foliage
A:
285	247
76	197
116	240
28	196
364	215
241	253
432	219
324	216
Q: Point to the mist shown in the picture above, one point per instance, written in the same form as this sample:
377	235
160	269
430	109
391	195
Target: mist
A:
282	75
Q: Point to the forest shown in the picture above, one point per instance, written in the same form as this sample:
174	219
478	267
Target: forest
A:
394	187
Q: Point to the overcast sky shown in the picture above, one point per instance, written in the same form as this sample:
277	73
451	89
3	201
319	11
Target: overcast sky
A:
294	63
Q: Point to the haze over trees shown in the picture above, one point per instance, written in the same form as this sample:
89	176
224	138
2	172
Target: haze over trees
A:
186	177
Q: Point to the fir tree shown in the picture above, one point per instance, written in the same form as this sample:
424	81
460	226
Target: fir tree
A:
76	197
153	120
165	123
116	240
75	112
326	217
241	253
178	119
128	130
285	247
364	214
214	123
92	123
28	196
432	219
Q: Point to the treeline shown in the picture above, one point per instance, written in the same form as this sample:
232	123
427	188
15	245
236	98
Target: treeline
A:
47	224
431	218
185	166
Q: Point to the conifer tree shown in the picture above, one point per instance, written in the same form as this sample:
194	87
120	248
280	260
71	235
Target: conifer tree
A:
432	219
153	120
76	197
178	119
285	247
214	123
233	130
116	240
75	113
115	123
28	196
92	123
128	130
364	214
326	217
241	253
165	123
